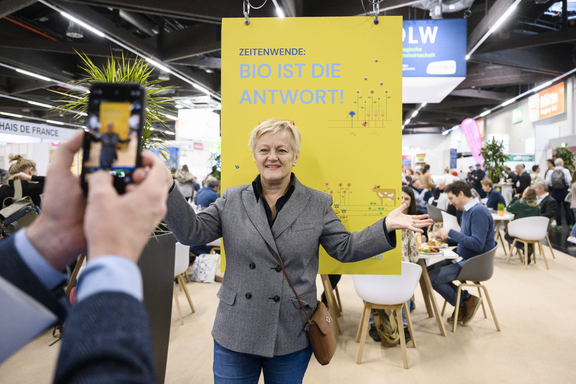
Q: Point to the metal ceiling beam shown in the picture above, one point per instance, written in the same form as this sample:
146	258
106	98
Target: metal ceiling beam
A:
8	7
200	39
481	94
46	45
55	66
499	7
29	84
458	103
204	62
211	11
550	61
486	76
541	39
349	8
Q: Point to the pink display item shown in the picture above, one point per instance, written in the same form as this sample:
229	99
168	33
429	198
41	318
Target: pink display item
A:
472	134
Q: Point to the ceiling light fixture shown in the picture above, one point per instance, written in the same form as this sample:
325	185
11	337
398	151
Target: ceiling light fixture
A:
40	104
414	114
55	122
171	116
423	105
33	74
485	113
278	9
158	65
508	102
85	25
542	86
11	114
493	27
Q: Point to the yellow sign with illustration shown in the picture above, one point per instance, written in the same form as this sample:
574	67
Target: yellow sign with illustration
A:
340	81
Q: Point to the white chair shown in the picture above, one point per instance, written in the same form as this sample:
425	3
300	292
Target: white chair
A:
180	266
450	221
529	230
387	292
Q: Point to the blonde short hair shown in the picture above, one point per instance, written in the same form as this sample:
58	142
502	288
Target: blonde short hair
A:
487	182
21	164
273	126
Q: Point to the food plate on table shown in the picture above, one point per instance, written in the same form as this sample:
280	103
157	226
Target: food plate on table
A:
435	244
430	251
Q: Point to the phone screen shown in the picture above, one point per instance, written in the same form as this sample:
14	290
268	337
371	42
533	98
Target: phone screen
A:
113	140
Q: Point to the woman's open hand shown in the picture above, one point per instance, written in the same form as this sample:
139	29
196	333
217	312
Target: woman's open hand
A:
398	220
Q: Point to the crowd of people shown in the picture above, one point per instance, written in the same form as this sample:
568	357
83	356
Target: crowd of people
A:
268	226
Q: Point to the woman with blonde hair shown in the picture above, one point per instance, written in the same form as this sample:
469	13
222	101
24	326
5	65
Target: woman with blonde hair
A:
259	325
527	206
32	184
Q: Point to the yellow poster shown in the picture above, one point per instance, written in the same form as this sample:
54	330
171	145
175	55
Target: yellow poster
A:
340	81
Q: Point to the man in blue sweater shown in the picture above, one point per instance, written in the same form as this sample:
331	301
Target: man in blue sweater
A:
494	197
472	240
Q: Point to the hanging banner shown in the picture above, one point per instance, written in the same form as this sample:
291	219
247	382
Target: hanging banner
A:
453	158
472	134
340	81
42	131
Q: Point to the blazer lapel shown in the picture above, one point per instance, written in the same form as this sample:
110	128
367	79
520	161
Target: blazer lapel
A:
291	210
257	215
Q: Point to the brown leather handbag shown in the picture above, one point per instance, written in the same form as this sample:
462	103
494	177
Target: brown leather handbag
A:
319	328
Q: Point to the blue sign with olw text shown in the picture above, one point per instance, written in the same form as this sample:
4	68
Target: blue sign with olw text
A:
434	48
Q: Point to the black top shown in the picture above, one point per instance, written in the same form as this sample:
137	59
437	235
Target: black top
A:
34	190
257	184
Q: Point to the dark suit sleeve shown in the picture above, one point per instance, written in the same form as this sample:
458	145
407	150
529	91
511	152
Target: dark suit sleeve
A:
548	207
13	269
106	340
525	181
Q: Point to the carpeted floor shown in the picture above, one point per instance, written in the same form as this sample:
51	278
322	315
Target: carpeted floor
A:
537	344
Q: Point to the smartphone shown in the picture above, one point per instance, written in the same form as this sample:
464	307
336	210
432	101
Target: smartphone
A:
113	141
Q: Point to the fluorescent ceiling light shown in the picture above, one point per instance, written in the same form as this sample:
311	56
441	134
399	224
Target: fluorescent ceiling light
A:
423	105
467	57
200	88
171	116
407	122
158	65
40	104
504	16
169	133
493	28
55	122
485	113
88	27
414	114
33	74
279	12
508	102
542	86
10	114
446	132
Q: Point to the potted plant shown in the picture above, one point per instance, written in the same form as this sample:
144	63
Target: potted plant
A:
494	159
501	208
568	157
124	70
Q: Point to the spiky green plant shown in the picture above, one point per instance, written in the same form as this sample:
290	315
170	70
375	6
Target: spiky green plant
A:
124	70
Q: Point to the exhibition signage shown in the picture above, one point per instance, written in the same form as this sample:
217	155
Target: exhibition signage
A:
547	103
407	161
433	58
517	158
517	115
42	131
472	134
340	81
453	158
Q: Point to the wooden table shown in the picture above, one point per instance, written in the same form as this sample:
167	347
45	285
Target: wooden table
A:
426	285
497	219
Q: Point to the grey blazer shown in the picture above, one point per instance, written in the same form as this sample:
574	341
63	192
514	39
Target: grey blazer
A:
258	312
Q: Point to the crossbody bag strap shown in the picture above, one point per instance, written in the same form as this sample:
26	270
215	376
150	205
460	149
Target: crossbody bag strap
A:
289	282
17	189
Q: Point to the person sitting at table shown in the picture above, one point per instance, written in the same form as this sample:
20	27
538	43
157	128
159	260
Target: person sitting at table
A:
419	194
527	206
547	204
472	240
494	197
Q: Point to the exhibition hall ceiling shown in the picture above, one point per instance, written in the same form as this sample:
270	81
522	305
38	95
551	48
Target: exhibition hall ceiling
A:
534	45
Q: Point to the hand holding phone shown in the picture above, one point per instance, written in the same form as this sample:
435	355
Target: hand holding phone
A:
113	142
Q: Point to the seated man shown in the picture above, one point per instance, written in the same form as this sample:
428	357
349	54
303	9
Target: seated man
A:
494	197
210	195
547	204
107	336
476	236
